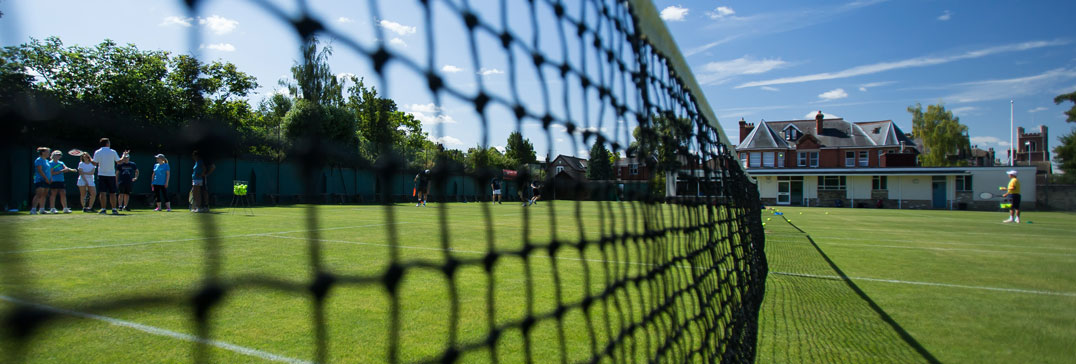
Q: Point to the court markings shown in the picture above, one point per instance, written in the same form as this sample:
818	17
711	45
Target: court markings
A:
191	239
161	332
934	284
1051	254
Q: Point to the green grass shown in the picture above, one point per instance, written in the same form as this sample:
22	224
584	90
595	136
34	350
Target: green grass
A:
809	314
973	290
163	255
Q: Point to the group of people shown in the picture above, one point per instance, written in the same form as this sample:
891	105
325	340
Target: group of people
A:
109	177
534	191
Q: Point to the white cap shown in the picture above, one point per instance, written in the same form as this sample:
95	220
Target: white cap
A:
1011	172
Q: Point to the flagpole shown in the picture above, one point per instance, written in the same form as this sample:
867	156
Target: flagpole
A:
1012	149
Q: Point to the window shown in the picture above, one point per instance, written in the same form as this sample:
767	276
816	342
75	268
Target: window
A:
879	183
780	159
755	159
849	159
831	182
802	159
814	159
633	168
767	159
963	183
743	159
863	162
560	169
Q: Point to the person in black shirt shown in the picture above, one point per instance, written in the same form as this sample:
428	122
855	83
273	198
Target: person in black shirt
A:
495	184
127	173
536	192
422	186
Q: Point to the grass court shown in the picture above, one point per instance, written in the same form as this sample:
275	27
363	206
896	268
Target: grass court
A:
895	286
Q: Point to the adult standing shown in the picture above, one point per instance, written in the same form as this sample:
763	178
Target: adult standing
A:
1013	193
87	189
495	184
422	183
105	158
159	182
201	171
127	174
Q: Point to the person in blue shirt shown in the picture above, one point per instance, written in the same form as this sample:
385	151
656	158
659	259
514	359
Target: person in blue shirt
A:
202	169
159	182
57	168
42	179
127	173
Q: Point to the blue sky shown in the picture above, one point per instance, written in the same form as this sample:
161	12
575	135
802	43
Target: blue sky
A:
774	60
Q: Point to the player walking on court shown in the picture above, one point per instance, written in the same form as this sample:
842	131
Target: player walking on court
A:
495	184
1013	193
105	159
422	186
536	192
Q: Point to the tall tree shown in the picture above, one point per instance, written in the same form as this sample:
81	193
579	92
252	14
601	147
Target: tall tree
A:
314	80
1070	97
519	150
942	134
599	167
1065	154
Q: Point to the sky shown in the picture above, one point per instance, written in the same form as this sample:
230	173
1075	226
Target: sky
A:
862	60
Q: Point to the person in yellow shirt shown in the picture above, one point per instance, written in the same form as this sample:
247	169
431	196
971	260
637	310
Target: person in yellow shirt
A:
1013	193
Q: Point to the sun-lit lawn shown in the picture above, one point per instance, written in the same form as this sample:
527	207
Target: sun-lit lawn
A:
960	285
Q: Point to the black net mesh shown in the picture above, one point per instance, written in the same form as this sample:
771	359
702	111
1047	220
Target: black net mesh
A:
670	276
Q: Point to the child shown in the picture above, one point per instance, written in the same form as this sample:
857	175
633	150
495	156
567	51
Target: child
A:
57	168
42	179
86	188
127	174
159	182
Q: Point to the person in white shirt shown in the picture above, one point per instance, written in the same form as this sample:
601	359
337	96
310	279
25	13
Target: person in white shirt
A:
86	188
105	159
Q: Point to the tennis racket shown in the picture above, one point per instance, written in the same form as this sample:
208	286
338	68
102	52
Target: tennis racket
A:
75	152
986	196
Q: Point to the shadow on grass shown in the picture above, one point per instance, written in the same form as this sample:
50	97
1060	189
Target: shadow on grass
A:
813	313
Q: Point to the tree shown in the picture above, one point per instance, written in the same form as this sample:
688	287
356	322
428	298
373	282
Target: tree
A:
942	135
519	150
314	80
1070	97
599	167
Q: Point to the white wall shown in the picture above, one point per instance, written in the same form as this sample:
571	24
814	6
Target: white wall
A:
858	187
767	187
910	188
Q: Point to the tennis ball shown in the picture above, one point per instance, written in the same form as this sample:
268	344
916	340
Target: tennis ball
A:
1001	188
801	213
827	212
767	219
764	224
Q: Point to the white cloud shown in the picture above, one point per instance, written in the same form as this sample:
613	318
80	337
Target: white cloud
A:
770	88
964	110
446	140
582	153
175	20
500	148
721	12
429	114
674	13
946	16
342	76
1008	88
398	42
397	27
450	69
810	115
222	47
489	71
834	94
1037	109
865	86
988	141
344	20
906	63
219	25
718	72
282	91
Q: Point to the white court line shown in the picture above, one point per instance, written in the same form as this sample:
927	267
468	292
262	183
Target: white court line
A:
1013	290
188	239
947	249
161	332
936	242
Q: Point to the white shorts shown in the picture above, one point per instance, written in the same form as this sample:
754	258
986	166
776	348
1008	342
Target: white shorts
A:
82	182
496	192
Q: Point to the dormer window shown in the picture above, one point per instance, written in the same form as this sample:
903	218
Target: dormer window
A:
792	133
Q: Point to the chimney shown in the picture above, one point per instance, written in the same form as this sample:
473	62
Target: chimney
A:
818	122
745	128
